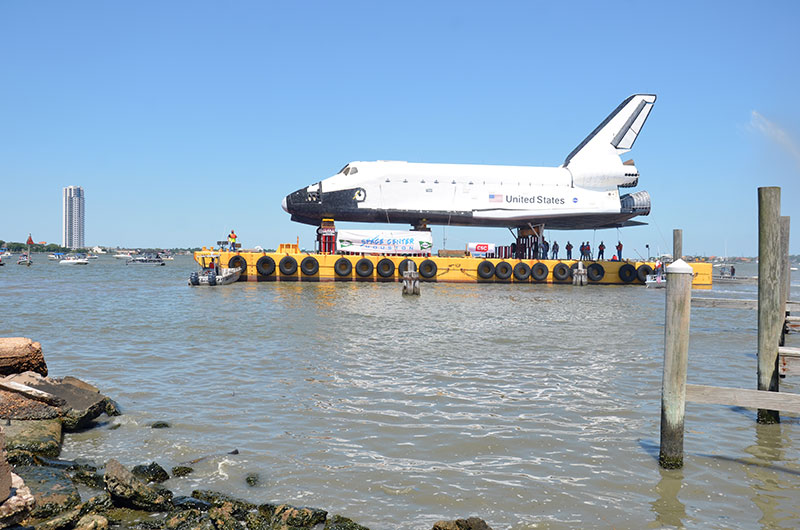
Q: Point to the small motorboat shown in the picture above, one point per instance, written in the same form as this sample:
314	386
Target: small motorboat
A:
56	256
123	255
145	259
24	260
212	274
656	281
74	259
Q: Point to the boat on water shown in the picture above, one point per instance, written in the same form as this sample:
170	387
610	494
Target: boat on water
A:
74	259
656	281
145	259
24	260
4	253
212	274
56	256
123	255
166	257
91	256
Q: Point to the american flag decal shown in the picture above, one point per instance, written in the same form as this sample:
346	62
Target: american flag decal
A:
494	197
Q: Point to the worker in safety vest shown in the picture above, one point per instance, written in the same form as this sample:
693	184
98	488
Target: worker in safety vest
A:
619	250
232	241
569	250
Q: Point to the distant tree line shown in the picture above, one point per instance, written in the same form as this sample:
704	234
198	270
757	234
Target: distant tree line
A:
36	247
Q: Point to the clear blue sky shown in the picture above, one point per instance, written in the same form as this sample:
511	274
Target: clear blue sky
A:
183	120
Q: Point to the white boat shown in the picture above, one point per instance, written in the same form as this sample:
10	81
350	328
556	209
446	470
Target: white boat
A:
74	259
123	255
56	256
4	253
146	259
217	276
656	281
24	260
91	256
212	274
166	257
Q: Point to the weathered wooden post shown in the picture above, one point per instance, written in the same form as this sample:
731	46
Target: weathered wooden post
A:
770	314
677	244
676	359
785	276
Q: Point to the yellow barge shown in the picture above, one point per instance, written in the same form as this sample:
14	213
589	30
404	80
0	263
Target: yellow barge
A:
290	264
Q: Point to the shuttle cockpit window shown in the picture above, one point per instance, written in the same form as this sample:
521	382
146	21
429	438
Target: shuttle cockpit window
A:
347	170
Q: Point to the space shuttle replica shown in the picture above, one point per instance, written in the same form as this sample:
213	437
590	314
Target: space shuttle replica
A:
582	193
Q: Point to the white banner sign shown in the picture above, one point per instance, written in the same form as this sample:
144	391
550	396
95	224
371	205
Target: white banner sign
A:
481	248
383	242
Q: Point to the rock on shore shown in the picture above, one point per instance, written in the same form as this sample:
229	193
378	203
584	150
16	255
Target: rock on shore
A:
19	354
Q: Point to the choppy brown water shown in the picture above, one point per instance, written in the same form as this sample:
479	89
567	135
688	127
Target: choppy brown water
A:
529	406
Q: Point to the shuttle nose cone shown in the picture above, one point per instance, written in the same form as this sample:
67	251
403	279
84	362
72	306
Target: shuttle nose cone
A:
283	205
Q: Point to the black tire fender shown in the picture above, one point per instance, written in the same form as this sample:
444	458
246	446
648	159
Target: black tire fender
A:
238	262
561	272
522	272
643	271
364	268
287	266
485	269
539	272
343	267
428	269
265	266
595	272
503	270
385	268
309	266
404	266
627	273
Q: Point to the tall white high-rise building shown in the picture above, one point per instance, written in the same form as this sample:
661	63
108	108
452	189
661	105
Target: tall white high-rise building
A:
72	236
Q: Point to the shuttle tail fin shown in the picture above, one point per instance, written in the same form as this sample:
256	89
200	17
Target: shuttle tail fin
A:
616	135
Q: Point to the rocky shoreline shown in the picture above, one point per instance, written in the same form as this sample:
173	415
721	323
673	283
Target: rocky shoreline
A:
38	490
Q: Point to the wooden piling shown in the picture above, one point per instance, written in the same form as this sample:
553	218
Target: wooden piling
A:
770	316
677	244
676	358
785	275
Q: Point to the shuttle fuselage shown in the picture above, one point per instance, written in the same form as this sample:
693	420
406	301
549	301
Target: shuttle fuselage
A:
583	193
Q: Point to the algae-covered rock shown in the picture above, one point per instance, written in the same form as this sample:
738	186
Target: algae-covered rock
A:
239	508
52	488
99	503
40	437
127	490
88	478
181	471
472	523
160	425
188	520
23	458
223	519
258	521
63	520
252	479
337	522
289	517
92	521
190	503
152	472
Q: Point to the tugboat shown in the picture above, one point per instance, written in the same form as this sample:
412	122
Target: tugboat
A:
212	274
